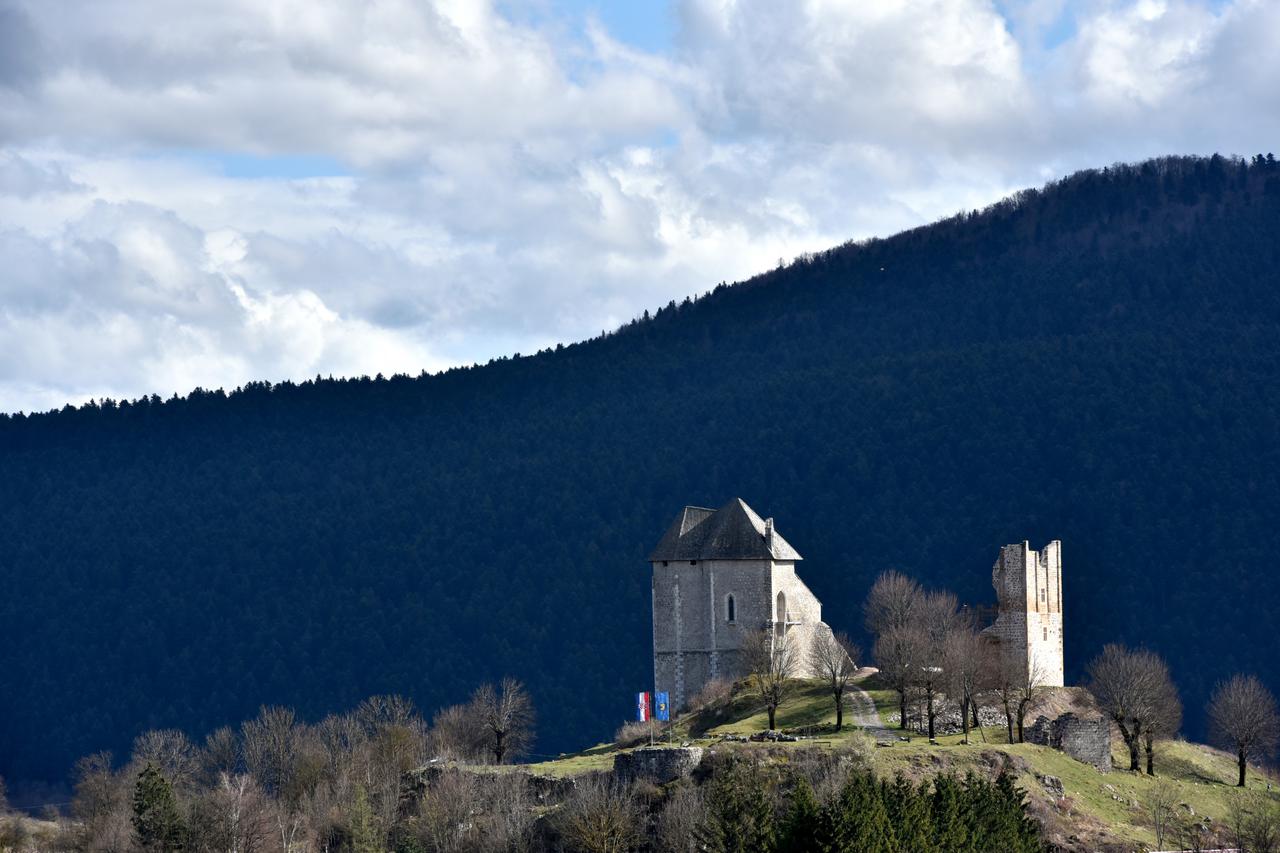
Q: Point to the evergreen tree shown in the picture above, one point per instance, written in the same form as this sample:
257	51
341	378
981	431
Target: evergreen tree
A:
1010	828
761	832
365	837
908	809
863	818
155	813
947	815
739	812
980	809
803	830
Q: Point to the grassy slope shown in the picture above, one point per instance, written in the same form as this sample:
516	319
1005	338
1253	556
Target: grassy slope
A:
1099	807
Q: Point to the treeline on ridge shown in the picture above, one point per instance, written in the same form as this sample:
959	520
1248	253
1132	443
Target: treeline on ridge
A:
281	784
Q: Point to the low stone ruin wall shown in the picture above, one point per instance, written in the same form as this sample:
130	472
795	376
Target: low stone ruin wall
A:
656	764
1087	740
545	790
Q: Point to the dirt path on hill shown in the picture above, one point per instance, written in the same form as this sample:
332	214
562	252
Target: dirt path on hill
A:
863	710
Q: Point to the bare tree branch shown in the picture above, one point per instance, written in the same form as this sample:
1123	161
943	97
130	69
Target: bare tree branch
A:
1135	690
771	659
892	603
834	658
506	716
1243	718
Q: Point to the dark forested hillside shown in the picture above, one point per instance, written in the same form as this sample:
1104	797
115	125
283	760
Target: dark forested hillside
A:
1096	362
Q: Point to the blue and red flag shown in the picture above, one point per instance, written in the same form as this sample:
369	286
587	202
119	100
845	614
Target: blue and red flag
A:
662	708
642	707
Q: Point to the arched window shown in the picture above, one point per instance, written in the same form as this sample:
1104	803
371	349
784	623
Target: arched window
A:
781	618
730	609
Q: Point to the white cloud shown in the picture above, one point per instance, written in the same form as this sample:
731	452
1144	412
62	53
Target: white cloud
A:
825	71
1144	54
512	185
129	298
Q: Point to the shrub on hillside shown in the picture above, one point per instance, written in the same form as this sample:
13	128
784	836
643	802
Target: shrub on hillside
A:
713	696
711	705
631	734
859	750
827	771
601	816
679	820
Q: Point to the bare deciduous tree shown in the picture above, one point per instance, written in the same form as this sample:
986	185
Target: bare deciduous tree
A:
934	622
445	818
395	737
834	658
235	817
1130	687
1261	827
770	657
898	653
345	745
505	714
1252	823
507	818
1031	684
892	603
967	668
1006	676
271	744
1164	717
1017	684
680	819
287	761
600	816
1162	810
221	754
457	732
1242	718
101	807
172	754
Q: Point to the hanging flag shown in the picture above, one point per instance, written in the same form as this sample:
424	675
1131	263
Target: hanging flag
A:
642	707
662	709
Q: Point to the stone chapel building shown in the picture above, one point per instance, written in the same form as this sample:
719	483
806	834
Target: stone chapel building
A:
717	575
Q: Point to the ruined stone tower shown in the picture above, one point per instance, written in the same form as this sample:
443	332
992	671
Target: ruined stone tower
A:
718	574
1029	625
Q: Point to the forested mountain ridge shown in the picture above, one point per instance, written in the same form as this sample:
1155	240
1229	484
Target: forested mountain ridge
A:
1095	362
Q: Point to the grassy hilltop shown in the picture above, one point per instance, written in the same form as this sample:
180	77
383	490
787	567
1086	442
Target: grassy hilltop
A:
1099	811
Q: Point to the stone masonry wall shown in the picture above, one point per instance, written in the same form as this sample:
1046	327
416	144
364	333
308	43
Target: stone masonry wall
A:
656	764
1087	740
693	639
1028	588
802	606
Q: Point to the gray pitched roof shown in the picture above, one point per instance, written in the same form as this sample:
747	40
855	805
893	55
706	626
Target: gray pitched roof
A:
733	532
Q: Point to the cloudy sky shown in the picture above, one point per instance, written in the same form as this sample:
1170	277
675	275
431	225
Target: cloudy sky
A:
204	192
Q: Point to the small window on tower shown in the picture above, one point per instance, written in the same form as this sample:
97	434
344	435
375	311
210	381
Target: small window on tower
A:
730	611
1046	633
1042	594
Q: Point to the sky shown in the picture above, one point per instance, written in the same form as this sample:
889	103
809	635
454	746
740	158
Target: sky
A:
211	192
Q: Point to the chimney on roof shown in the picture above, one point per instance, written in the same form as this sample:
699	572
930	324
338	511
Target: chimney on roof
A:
768	533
